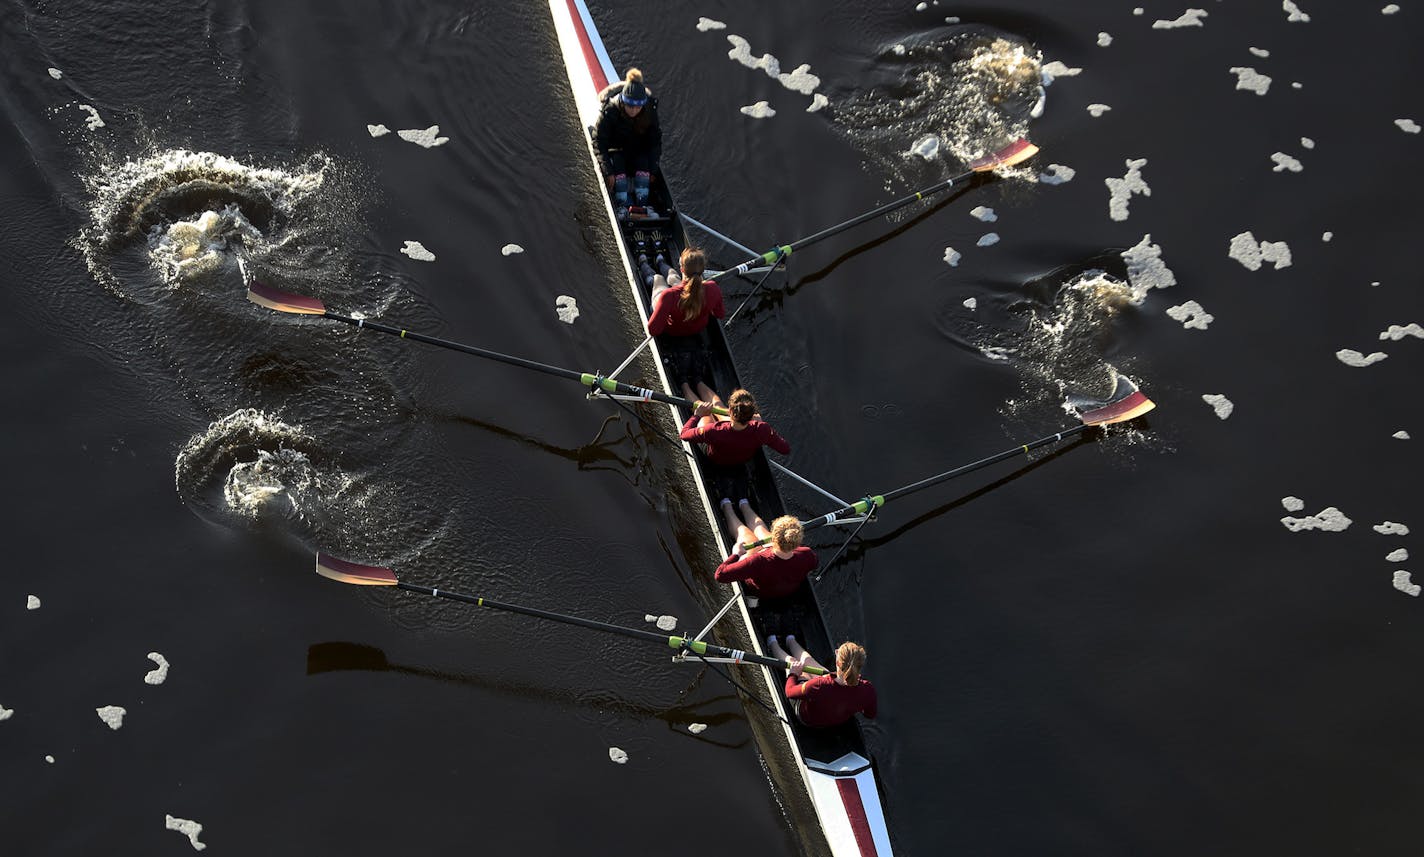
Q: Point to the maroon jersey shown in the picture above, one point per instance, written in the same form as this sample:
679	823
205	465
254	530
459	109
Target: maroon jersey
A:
726	445
826	703
666	317
770	575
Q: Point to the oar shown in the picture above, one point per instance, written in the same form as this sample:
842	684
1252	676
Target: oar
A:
1126	403
372	575
281	301
1016	152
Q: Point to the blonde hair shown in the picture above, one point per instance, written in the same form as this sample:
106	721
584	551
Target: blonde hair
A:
850	660
742	406
635	75
786	533
692	262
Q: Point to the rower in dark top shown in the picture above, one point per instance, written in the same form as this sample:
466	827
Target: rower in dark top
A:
771	571
729	440
826	700
683	303
629	140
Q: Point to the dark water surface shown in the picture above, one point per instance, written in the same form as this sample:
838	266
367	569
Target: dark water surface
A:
1113	648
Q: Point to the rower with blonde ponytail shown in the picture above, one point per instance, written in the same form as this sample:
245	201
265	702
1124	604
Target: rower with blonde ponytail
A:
683	302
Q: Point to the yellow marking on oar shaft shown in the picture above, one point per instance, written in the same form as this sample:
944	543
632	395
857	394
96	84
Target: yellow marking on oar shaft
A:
402	334
1025	448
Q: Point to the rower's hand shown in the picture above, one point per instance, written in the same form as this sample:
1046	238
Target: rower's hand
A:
702	409
795	666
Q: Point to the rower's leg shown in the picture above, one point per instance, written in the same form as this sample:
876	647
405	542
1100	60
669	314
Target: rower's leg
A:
774	649
688	394
709	395
735	527
754	522
801	654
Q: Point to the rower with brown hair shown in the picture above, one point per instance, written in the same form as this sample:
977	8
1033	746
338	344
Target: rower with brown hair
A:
826	700
683	303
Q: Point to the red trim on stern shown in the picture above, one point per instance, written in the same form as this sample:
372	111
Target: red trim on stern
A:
590	56
855	811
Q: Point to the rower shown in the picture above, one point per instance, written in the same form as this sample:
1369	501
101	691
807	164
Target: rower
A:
825	700
629	139
770	571
729	442
683	303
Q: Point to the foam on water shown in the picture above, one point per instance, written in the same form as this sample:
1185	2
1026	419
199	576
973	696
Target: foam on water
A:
566	308
187	827
1293	13
510	250
417	251
799	80
760	110
1249	79
1191	315
6	713
984	213
94	121
818	101
1145	268
1292	504
1390	528
112	715
1285	162
377	130
952	257
971	304
705	24
988	239
1097	110
1260	52
159	674
195	249
1189	18
32	603
1220	404
1307	143
1330	520
926	147
618	755
1120	191
1397	332
428	138
1390	9
1104	39
1252	254
1404	584
1327	236
1054	70
1351	357
1400	435
697	728
55	73
1057	174
1397	555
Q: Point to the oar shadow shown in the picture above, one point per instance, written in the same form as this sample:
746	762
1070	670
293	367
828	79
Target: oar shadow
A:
588	456
339	656
772	299
858	550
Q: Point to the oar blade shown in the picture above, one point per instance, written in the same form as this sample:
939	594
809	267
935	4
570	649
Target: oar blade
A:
1015	153
1126	403
354	572
281	301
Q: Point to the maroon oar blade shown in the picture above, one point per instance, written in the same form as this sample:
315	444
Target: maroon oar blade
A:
284	301
1127	402
352	572
1016	152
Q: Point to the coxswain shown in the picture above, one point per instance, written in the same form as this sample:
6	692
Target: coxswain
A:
629	140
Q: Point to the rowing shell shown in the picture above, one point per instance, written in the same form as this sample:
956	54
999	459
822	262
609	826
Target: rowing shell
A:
834	768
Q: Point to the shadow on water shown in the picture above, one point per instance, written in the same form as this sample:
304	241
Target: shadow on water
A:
337	656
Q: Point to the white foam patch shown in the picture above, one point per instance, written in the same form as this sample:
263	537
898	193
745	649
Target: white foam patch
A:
187	827
817	102
1327	237
1388	10
6	713
1122	190
1104	39
952	257
1374	283
160	674
1054	70
898	50
49	759
666	623
1138	10
427	137
926	147
1351	357
988	239
1330	520
1189	18
1097	110
94	122
32	603
56	73
1057	174
1145	268
1390	528
952	19
377	130
800	80
1307	143
1249	79
1253	254
705	24
1191	315
997	352
760	110
194	248
1397	555
698	728
1408	126
113	715
922	7
1396	332
566	308
1259	52
417	251
984	213
510	250
1403	584
971	304
1285	162
1400	435
1295	84
618	755
1293	13
1219	403
1292	504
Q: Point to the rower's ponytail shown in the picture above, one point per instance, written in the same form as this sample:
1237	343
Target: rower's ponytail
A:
850	660
693	263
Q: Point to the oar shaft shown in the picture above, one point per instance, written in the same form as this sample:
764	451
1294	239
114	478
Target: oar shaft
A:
675	642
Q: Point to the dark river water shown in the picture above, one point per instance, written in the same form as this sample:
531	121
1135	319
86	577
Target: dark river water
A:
1115	646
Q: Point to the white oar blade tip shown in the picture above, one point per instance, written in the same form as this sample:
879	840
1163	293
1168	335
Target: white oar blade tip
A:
352	572
264	295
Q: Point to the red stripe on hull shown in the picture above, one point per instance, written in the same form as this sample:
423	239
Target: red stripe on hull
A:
590	56
855	811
